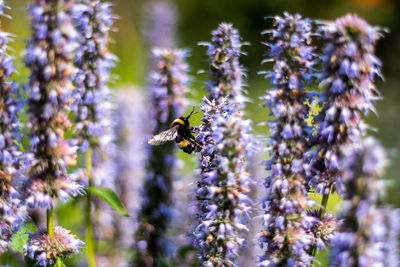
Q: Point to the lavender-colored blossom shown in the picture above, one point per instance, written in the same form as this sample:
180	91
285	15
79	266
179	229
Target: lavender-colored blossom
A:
225	70
160	23
285	238
222	200
48	56
368	234
104	175
130	158
12	210
167	86
223	204
93	20
349	66
93	108
44	249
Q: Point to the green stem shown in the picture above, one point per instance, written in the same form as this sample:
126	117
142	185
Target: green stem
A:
322	210
324	203
50	227
89	231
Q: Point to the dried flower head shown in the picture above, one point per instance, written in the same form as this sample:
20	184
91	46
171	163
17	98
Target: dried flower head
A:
323	228
44	249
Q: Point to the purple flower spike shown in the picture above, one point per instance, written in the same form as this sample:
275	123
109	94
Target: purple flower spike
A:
367	234
222	200
12	210
168	84
225	70
92	106
160	23
286	236
49	57
50	88
349	66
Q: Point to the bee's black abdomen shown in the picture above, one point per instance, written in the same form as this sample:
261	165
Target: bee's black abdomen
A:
187	144
192	147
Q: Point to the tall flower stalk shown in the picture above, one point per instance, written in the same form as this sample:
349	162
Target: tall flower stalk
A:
348	69
285	238
130	158
368	234
94	20
224	183
160	23
12	210
349	66
48	56
167	86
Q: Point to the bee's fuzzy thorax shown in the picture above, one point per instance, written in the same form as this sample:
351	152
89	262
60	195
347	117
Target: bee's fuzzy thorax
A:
179	121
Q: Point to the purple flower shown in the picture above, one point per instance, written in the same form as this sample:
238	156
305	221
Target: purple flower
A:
93	20
225	70
168	84
12	210
222	200
45	249
50	86
367	234
160	24
323	228
347	76
286	237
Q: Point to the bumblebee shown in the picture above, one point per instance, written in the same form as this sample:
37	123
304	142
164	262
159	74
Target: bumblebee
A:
181	131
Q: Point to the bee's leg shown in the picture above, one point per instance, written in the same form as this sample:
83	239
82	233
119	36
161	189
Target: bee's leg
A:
195	128
193	139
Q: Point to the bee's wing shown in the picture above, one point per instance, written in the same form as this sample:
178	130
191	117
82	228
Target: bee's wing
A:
164	137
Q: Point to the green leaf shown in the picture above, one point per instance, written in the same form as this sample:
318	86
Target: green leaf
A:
59	263
110	198
184	251
162	263
20	238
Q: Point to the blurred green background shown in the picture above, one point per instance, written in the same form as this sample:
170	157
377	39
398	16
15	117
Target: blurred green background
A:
196	19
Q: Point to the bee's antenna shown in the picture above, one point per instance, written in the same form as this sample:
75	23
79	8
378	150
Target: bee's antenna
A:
191	113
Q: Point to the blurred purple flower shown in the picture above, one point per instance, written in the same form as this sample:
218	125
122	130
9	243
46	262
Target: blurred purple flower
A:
130	158
12	209
160	23
367	234
168	84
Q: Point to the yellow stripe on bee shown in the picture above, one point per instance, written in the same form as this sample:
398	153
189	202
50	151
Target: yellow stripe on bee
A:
179	121
183	144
